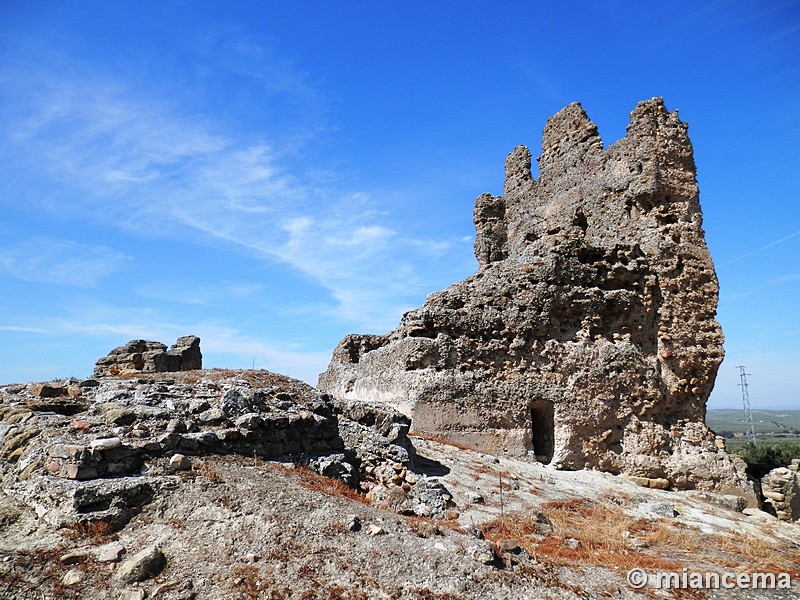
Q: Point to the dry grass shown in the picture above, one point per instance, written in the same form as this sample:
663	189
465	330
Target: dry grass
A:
426	594
37	574
258	377
480	469
598	527
96	532
250	584
521	528
419	524
674	536
207	472
601	530
255	583
756	554
334	529
255	377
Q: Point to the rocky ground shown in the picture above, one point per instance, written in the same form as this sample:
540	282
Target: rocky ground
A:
233	521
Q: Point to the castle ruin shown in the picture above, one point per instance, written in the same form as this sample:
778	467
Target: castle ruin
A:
587	338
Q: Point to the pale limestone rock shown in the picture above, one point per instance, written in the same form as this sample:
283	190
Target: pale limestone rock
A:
180	462
144	564
73	577
111	552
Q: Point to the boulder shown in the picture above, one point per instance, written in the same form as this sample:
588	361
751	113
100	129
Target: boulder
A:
144	564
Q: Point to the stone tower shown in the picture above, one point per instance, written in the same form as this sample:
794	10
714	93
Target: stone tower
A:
587	338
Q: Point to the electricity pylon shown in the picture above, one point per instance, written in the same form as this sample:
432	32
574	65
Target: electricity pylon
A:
748	416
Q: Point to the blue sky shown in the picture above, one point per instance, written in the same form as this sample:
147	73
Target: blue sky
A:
274	175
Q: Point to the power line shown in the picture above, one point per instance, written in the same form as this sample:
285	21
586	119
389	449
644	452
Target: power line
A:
750	431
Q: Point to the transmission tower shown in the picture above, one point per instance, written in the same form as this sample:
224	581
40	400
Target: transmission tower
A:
748	416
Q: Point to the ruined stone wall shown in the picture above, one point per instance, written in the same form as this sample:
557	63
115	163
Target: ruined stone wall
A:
99	449
143	356
781	490
587	337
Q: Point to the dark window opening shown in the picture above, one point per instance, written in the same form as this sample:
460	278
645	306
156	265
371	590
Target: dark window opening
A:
542	430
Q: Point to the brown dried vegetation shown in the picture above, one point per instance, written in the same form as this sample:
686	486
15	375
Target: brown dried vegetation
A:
603	531
207	472
327	485
96	532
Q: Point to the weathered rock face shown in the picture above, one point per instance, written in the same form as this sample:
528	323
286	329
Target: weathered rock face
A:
142	356
587	337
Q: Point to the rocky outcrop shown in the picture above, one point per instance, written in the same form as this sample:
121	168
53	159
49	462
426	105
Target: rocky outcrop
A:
142	356
109	446
587	337
781	490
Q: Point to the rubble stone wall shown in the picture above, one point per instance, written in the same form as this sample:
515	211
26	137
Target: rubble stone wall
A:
143	356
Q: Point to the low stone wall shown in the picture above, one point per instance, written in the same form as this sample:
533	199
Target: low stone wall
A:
781	490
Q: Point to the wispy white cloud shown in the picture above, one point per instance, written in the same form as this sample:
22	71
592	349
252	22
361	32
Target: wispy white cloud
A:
61	262
189	292
18	329
770	283
149	166
784	279
224	346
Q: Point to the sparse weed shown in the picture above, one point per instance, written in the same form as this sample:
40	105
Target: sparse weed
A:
602	530
426	594
96	532
334	529
758	554
248	582
418	524
207	472
598	528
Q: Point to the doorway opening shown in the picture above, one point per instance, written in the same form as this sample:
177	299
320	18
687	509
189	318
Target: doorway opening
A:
543	430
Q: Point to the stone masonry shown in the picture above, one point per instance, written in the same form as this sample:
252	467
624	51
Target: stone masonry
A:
587	338
101	448
781	490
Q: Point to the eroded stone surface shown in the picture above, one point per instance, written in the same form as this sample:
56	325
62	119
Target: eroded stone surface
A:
587	337
143	356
